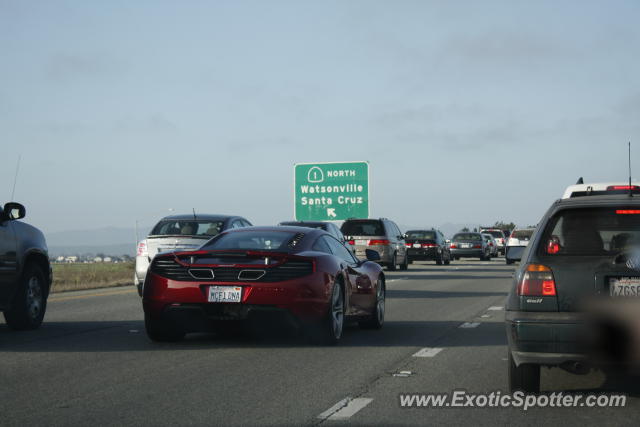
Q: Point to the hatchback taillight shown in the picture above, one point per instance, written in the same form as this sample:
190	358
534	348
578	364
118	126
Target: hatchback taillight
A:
374	242
352	242
537	281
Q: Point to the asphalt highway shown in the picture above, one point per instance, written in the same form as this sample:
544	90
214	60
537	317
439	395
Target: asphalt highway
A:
92	364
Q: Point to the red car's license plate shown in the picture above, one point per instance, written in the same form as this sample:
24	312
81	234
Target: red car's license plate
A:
225	294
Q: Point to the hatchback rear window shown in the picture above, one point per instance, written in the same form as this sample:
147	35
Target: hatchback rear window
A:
421	235
467	236
187	228
592	231
363	228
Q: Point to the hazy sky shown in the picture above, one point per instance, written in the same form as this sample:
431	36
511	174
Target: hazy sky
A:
467	111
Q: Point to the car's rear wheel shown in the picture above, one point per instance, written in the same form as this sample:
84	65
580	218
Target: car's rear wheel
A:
439	260
333	324
448	260
405	264
377	317
30	301
161	330
393	265
525	377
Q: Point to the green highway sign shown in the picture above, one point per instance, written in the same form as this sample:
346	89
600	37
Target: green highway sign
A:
331	191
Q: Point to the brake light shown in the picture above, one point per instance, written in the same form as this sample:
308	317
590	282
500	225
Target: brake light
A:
352	242
537	281
453	246
142	249
622	187
429	245
502	241
408	245
374	242
490	243
628	212
477	246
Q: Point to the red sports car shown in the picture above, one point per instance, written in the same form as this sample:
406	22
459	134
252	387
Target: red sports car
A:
252	274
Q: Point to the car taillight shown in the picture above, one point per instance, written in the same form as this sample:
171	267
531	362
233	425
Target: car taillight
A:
352	242
537	281
429	245
490	243
408	245
453	246
477	246
628	212
502	241
142	249
374	242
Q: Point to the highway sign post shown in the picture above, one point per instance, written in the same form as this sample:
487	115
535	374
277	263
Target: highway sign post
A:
331	191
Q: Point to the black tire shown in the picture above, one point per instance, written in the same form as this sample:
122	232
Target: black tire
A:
376	321
525	377
483	258
405	265
509	261
393	265
439	260
332	325
160	330
29	304
448	260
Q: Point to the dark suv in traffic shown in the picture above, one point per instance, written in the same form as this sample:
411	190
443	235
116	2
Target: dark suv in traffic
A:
574	300
25	272
381	235
427	245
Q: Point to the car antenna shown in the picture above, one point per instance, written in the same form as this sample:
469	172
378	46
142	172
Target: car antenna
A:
15	178
580	181
630	189
194	213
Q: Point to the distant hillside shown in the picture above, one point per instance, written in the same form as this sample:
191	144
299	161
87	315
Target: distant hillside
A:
106	240
110	250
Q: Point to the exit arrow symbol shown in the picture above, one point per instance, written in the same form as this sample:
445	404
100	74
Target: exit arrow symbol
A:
331	212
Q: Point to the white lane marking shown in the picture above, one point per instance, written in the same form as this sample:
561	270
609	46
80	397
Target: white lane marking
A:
495	308
345	409
428	352
403	374
484	316
469	325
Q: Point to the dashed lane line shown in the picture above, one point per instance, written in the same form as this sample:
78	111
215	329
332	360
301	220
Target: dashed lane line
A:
469	325
345	409
428	352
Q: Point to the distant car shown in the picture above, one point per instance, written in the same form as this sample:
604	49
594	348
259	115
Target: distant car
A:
427	245
493	246
381	235
574	299
25	271
498	236
329	227
180	233
516	243
470	245
300	275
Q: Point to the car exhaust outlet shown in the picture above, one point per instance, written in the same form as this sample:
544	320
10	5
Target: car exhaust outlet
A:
576	367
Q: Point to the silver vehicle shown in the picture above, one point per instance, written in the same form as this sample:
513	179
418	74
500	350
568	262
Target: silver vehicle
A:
180	233
516	243
499	237
493	246
381	235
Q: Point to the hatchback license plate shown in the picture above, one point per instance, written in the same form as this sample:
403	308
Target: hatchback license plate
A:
225	294
624	287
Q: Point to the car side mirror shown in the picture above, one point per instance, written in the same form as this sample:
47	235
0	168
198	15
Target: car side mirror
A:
372	255
13	211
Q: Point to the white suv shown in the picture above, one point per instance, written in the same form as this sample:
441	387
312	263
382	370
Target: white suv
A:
498	236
